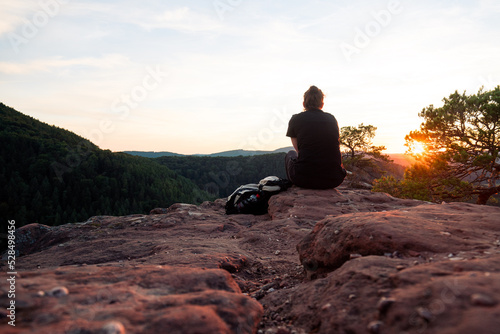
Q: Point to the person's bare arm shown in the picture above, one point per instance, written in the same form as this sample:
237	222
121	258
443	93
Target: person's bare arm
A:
295	145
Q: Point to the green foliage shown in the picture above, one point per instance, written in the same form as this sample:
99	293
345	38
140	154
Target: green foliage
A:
361	153
358	161
402	188
462	158
220	176
52	176
420	182
358	141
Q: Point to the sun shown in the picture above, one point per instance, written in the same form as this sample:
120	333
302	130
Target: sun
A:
418	148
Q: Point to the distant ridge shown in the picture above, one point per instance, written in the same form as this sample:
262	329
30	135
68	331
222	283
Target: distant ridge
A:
402	159
231	153
152	154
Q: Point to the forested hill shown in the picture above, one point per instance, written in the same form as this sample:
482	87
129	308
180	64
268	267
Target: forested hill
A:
52	176
220	176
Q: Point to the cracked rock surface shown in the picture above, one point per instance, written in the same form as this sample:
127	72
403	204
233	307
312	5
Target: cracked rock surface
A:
321	261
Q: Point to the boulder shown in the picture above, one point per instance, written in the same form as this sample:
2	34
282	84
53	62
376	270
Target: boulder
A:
28	237
426	229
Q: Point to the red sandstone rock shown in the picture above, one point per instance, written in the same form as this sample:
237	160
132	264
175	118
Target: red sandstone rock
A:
394	266
145	299
429	297
317	204
28	237
429	228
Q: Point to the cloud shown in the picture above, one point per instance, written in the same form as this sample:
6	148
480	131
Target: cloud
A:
182	19
44	65
261	57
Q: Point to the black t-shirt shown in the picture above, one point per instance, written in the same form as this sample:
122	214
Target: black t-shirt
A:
317	134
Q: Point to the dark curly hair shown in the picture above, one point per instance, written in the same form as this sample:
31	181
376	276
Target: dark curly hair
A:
313	98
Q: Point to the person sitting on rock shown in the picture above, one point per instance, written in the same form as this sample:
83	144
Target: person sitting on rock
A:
316	162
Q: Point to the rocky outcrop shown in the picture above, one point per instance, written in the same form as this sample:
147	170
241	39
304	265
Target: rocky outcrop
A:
363	170
425	269
321	261
424	231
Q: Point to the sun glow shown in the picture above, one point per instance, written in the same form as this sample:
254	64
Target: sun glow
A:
417	148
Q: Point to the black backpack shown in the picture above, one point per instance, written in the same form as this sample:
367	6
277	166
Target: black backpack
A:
253	198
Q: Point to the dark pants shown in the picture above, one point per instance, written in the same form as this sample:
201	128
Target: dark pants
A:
290	159
311	181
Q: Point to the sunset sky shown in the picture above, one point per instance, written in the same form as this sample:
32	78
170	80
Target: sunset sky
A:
206	76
